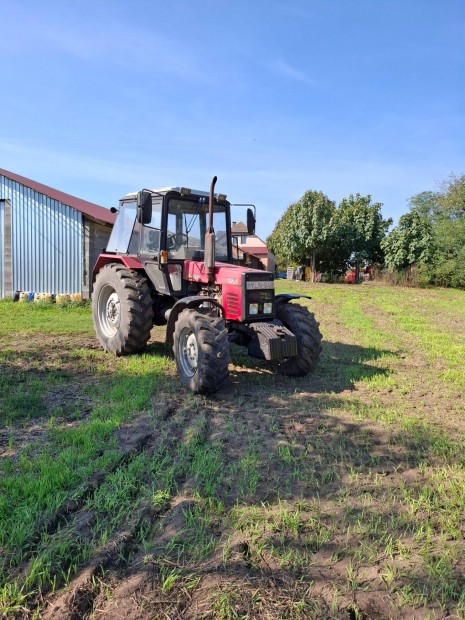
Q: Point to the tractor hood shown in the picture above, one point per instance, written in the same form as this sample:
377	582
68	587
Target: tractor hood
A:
224	273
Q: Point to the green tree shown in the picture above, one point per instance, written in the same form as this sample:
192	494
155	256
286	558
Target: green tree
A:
426	204
444	212
449	232
313	231
452	197
359	228
304	229
410	242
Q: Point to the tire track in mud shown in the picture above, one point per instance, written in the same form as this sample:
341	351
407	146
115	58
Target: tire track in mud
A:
77	601
117	583
132	438
51	525
316	438
110	571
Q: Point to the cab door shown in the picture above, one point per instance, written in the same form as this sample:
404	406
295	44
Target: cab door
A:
150	248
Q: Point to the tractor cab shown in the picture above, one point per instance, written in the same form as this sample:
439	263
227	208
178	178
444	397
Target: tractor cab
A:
165	227
181	214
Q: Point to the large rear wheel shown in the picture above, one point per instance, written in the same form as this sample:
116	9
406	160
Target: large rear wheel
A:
303	325
201	351
122	309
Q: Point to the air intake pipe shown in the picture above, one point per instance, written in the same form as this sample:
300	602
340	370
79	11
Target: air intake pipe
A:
209	256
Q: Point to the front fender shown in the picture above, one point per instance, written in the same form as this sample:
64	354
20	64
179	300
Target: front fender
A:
284	298
182	304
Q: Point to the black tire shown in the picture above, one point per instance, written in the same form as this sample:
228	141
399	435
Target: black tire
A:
303	325
201	351
122	309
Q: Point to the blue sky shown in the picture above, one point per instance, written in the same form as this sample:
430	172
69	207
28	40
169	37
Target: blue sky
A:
275	97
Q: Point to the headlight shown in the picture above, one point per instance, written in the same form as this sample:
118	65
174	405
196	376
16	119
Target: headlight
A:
253	309
267	308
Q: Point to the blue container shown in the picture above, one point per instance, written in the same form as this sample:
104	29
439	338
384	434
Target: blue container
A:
30	296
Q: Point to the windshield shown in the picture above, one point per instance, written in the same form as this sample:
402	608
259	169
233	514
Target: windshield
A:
187	223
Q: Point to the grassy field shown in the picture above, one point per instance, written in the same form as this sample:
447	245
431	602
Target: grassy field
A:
338	495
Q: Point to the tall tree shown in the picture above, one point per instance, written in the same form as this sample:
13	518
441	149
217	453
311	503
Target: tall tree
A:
449	231
359	228
426	204
452	200
410	242
444	212
304	229
314	230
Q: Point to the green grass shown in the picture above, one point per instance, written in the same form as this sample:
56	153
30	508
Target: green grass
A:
44	318
352	477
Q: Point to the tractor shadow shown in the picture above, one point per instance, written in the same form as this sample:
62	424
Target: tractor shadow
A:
340	367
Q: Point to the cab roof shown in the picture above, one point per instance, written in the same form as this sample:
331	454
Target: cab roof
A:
165	190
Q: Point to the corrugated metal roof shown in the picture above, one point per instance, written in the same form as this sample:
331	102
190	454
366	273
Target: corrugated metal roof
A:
90	209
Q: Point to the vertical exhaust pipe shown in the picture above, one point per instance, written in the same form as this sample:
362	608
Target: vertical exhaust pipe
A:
209	256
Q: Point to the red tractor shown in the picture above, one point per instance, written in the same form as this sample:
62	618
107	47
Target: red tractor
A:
164	264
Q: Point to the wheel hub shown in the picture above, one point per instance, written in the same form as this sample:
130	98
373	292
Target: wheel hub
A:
109	311
188	352
113	309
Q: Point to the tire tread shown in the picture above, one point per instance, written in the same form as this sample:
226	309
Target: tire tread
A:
135	307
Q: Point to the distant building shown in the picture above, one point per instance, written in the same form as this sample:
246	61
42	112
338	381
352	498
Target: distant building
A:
251	249
49	240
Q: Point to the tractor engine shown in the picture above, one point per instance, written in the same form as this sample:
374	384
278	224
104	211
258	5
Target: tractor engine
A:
248	299
246	294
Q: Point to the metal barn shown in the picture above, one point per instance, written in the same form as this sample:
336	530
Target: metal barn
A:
49	240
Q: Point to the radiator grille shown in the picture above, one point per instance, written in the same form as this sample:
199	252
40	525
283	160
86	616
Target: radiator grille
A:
232	303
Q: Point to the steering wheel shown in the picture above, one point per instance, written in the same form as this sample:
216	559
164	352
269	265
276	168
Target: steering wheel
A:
175	241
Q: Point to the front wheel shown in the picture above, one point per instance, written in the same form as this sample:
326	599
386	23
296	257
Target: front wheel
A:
303	325
201	351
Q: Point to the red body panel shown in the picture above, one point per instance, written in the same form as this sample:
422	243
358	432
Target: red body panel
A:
229	277
194	271
131	262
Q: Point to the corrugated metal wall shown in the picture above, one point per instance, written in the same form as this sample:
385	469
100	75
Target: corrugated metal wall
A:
47	241
2	247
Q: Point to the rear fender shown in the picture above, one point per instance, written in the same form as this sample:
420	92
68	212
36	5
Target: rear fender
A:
182	304
131	262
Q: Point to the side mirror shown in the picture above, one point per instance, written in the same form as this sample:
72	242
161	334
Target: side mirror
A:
144	207
250	222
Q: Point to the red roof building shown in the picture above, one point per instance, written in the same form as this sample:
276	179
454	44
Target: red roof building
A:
90	209
49	240
250	248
